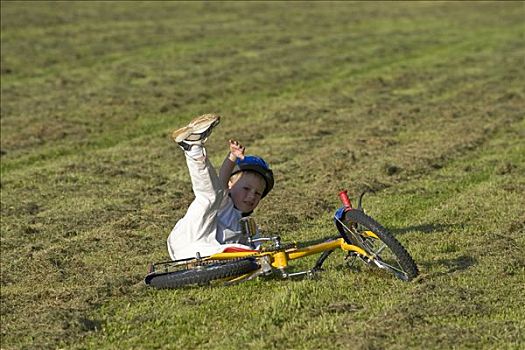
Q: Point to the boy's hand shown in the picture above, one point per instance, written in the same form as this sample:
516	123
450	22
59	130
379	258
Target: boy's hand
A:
236	150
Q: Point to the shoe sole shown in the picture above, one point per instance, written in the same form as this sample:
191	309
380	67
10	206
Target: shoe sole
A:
197	126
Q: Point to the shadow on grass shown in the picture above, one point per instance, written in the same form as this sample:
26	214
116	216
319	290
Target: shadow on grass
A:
424	228
460	263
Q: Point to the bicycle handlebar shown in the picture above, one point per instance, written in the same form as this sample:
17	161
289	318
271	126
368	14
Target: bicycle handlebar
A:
343	195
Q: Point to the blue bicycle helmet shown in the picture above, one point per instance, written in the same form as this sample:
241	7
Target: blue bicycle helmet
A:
258	165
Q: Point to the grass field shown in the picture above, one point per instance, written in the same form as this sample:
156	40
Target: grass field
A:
423	102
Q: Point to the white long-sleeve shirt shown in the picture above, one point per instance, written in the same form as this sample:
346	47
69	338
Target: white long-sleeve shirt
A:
211	223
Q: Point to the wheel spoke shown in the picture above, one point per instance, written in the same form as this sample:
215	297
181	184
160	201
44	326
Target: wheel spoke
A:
380	261
398	272
354	233
380	249
383	264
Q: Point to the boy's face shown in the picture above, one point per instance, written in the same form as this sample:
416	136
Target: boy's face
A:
246	191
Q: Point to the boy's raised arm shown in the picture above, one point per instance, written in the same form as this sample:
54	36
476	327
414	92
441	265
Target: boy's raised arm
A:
236	151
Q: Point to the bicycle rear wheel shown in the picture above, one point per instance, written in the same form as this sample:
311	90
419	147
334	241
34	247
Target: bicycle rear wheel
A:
388	254
201	274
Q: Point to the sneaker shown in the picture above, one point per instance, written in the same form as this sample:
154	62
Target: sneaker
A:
196	132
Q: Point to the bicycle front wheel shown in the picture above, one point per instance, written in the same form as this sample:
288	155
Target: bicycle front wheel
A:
384	249
201	274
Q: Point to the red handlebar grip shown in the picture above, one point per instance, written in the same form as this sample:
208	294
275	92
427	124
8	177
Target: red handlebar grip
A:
344	198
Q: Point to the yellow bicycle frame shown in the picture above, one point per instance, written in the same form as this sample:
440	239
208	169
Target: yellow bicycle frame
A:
279	259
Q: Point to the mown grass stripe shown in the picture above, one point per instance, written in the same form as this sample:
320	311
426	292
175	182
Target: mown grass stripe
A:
322	83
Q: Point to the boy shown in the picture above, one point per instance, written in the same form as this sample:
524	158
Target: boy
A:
211	224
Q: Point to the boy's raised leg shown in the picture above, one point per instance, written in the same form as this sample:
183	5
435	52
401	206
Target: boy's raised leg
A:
196	231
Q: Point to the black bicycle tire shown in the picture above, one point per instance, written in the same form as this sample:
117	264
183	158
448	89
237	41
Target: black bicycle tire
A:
404	259
202	274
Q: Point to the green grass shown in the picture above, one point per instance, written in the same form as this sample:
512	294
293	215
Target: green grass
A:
422	102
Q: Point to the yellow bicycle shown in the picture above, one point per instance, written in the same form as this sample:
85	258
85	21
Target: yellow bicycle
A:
359	236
